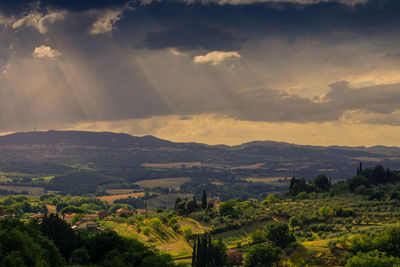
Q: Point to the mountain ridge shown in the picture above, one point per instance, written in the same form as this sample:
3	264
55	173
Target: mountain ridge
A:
121	149
24	135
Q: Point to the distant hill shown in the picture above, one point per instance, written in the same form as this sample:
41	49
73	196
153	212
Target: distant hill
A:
269	158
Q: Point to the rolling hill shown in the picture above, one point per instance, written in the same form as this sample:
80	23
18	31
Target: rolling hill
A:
118	150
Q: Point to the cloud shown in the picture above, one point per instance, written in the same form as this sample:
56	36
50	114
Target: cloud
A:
13	7
301	2
45	52
38	20
216	57
192	36
105	23
294	51
341	102
16	7
214	129
6	21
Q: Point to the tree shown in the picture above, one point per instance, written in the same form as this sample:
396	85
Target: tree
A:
227	208
24	245
261	256
378	174
258	236
357	181
63	236
204	200
298	185
79	256
373	259
302	195
325	211
208	253
177	201
322	182
279	235
360	169
271	198
294	222
191	206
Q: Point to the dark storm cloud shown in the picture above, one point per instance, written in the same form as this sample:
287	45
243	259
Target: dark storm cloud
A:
194	36
83	5
211	25
125	83
18	7
227	27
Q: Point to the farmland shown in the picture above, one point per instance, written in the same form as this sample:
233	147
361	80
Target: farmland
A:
165	182
265	179
110	199
172	165
167	200
121	191
33	191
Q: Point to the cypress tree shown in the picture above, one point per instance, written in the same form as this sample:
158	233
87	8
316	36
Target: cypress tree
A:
177	201
208	254
292	182
204	200
199	252
194	254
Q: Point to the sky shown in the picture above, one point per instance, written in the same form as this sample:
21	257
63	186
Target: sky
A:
318	72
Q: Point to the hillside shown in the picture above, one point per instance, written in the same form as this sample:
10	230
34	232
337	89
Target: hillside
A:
117	150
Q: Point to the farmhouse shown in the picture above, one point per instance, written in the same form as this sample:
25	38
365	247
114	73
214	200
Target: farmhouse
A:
235	257
38	217
68	217
88	224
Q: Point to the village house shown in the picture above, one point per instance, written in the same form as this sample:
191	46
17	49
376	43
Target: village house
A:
88	224
68	217
38	217
235	257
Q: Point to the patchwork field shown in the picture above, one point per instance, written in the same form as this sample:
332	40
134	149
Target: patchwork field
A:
45	178
5	179
167	201
165	182
264	179
121	191
251	166
172	165
182	165
112	198
33	191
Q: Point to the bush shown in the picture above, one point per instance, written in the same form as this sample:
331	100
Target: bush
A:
271	198
187	232
373	259
279	235
302	195
332	245
325	211
146	230
258	236
261	255
294	222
